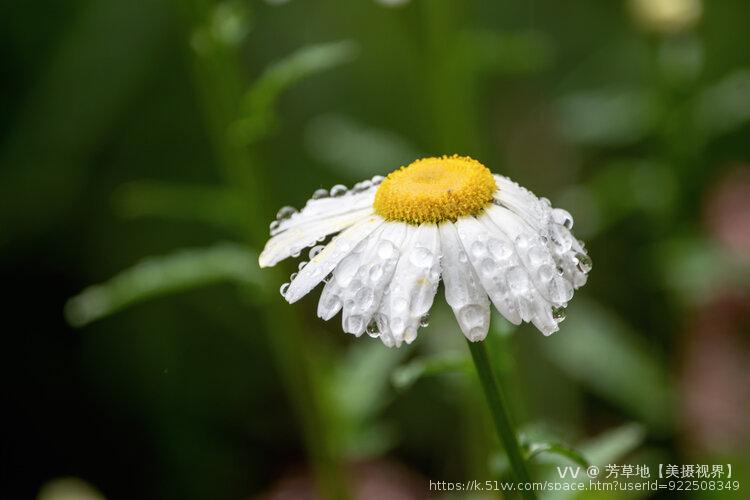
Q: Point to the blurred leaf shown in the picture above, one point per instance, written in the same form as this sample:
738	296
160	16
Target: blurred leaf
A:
696	267
228	24
159	276
609	447
405	376
534	449
506	53
339	141
257	109
216	206
602	353
613	117
358	390
614	444
98	66
724	106
360	383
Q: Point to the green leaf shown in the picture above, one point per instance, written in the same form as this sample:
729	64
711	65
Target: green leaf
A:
159	276
534	449
614	444
215	206
405	376
724	106
257	108
610	117
602	353
338	141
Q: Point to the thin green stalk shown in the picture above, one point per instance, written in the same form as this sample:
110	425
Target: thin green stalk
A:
500	415
220	84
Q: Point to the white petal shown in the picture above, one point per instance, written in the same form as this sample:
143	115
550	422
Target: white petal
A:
534	254
491	258
322	264
363	285
294	240
463	291
325	208
412	290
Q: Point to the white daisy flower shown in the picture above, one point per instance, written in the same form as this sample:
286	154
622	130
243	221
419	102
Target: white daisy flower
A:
491	240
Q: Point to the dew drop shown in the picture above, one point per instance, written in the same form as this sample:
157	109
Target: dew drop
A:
424	321
274	225
285	212
376	273
545	272
517	280
314	251
560	291
400	305
472	316
301	265
373	329
488	267
558	314
376	180
386	249
354	324
584	262
478	249
537	255
562	217
362	186
338	190
561	238
292	276
421	257
462	257
364	298
320	193
499	249
283	289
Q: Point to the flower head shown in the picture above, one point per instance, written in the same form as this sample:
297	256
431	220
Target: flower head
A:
491	240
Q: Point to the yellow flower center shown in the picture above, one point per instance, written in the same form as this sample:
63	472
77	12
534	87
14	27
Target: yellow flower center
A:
435	190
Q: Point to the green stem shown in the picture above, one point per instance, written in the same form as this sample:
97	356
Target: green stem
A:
500	415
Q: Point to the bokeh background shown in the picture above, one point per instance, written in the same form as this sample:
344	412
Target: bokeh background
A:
147	144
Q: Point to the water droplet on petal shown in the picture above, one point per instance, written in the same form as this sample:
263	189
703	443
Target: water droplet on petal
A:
364	298
499	249
338	190
376	273
386	249
558	314
562	217
373	329
478	249
293	275
584	262
274	225
517	280
283	289
424	321
561	238
314	251
537	255
285	212
377	180
301	265
421	257
320	193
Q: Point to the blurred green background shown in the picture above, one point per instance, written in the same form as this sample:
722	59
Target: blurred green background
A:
147	144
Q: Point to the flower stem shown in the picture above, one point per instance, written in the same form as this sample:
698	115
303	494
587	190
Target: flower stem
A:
500	415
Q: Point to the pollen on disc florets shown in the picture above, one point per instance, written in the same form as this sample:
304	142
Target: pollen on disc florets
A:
435	190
